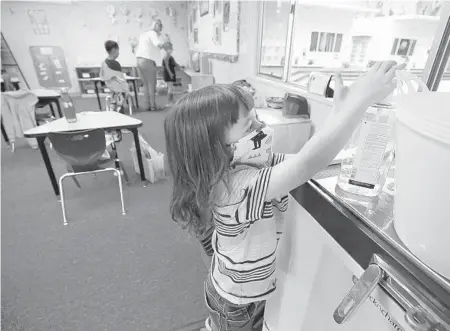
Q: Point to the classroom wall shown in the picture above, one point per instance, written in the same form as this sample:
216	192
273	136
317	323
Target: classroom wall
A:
81	27
245	67
207	24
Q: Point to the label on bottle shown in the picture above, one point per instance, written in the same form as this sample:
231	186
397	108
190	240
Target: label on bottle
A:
372	143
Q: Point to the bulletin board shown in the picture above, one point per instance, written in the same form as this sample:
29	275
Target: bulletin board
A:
214	28
50	65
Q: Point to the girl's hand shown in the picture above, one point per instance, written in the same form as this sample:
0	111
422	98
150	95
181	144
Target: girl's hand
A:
370	88
340	90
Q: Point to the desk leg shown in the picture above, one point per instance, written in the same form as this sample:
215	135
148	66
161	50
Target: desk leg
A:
136	94
98	95
48	165
58	106
52	110
5	136
139	155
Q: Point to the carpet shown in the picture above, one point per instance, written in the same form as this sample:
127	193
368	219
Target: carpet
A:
103	271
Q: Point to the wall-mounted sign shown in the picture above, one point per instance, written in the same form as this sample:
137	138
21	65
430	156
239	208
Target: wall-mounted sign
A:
38	20
50	65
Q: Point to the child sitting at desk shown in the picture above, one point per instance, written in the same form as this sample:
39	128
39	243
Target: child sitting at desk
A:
112	75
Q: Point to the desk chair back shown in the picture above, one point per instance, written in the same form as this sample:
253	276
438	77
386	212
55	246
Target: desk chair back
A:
81	150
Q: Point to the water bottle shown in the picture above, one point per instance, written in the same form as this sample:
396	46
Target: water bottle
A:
68	108
369	152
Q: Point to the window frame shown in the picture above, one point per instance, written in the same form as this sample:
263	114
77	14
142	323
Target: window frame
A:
288	47
439	52
432	73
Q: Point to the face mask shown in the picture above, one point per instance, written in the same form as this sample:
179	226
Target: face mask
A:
255	148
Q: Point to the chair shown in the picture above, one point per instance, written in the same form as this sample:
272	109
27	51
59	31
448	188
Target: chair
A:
82	150
115	102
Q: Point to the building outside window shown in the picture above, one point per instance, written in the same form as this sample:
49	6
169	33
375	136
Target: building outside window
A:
300	37
325	42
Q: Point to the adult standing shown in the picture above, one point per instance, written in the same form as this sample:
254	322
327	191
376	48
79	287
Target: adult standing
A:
148	53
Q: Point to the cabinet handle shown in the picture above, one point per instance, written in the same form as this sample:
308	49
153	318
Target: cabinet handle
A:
421	312
358	294
419	320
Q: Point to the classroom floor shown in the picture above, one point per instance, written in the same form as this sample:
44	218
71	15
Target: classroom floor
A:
103	271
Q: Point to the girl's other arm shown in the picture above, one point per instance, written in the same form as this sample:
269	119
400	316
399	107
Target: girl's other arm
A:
320	150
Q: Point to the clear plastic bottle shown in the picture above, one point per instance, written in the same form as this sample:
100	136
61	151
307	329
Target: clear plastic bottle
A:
369	152
68	108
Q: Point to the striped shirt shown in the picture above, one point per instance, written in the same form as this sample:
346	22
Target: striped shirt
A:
246	234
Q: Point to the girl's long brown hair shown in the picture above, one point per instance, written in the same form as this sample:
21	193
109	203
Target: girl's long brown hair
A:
197	152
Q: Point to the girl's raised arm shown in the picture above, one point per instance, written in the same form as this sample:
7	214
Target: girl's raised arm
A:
320	150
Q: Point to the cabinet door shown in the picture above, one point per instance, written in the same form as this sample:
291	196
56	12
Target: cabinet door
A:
314	275
331	284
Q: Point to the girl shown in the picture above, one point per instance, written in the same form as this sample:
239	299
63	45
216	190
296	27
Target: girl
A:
226	176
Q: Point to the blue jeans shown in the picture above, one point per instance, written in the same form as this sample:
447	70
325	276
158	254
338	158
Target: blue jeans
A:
226	316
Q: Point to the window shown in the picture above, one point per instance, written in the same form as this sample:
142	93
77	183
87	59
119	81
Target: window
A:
275	24
347	36
403	47
328	42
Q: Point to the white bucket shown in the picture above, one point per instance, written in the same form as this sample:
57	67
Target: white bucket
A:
422	199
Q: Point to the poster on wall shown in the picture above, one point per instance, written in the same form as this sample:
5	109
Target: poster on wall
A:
194	15
226	15
111	11
217	34
218	41
139	16
204	8
195	36
38	20
50	65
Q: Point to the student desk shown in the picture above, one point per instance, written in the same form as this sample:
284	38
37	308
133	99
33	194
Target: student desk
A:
48	98
86	121
96	80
